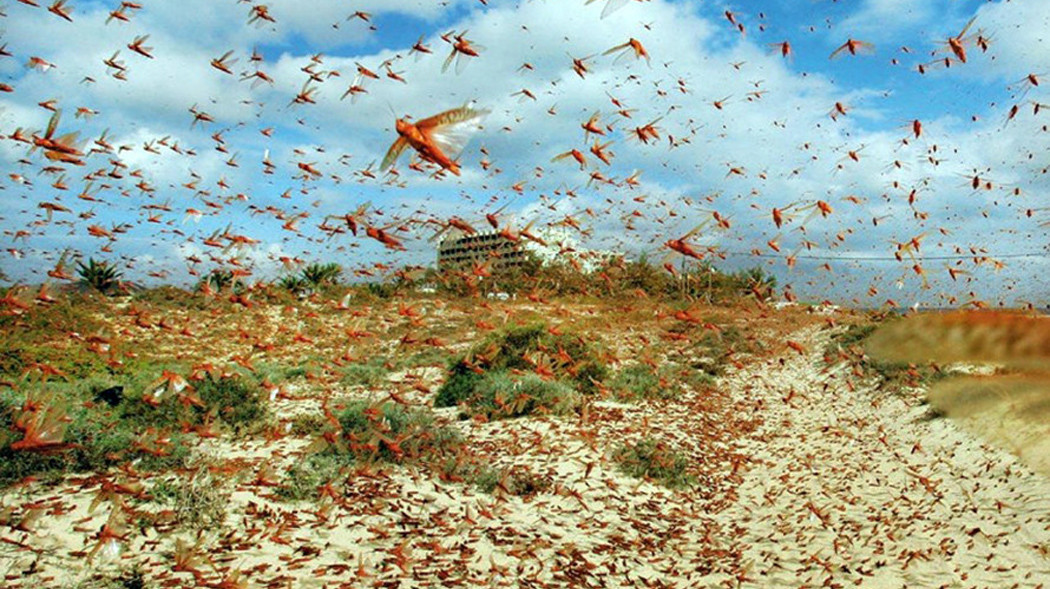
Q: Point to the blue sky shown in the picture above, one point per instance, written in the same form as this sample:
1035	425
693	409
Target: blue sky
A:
773	130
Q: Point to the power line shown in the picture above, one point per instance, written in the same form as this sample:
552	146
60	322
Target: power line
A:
863	258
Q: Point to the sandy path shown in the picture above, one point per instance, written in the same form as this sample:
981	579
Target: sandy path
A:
845	496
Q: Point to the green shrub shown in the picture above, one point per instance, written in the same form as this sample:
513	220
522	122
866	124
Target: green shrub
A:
638	381
653	459
370	432
277	373
695	379
757	281
306	476
293	284
240	402
307	424
516	481
42	336
852	336
370	373
381	290
97	439
501	394
219	280
392	433
458	387
508	349
718	347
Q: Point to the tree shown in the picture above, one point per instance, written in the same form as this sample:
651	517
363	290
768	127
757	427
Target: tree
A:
101	276
318	274
758	281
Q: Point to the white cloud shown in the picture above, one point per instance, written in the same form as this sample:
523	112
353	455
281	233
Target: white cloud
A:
773	129
888	19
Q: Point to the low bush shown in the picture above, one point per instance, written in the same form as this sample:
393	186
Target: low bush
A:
276	373
109	422
307	424
101	276
95	438
369	433
392	433
42	335
516	481
567	358
294	284
654	460
305	477
237	401
719	348
370	373
501	394
317	274
199	502
638	381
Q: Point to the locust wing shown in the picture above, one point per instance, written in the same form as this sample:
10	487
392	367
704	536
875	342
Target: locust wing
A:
393	153
452	129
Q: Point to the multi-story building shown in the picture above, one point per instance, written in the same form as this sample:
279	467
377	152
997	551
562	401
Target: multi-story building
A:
496	252
460	250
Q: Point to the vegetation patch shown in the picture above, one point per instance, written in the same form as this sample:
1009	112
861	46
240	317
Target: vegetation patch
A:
390	432
307	424
848	345
303	480
199	502
370	373
237	400
100	276
719	348
104	420
528	349
171	400
619	278
373	433
85	438
501	394
639	381
312	278
518	481
652	459
43	337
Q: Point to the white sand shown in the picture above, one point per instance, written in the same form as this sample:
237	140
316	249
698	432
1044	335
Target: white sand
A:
837	492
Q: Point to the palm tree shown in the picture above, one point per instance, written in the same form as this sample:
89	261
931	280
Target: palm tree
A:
294	284
101	276
317	274
216	280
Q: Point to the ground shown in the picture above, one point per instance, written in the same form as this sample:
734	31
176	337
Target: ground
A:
797	467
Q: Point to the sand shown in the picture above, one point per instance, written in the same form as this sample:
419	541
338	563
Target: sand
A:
807	477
